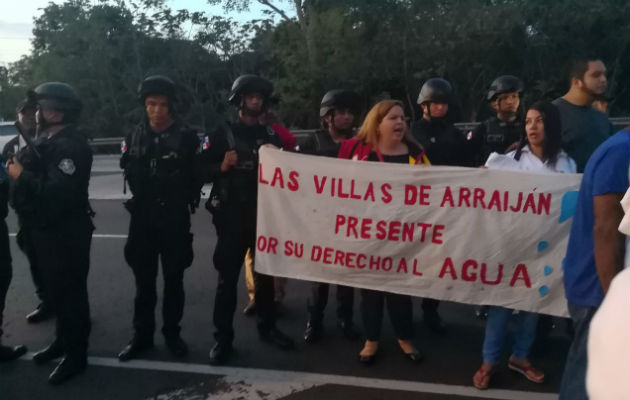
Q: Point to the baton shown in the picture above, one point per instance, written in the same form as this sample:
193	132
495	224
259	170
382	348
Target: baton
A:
28	140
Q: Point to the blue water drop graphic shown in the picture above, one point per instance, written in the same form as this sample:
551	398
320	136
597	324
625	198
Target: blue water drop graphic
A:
544	290
569	204
548	270
542	245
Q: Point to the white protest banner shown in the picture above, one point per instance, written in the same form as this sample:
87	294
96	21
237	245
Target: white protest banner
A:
469	235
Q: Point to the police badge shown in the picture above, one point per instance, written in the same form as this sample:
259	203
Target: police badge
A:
67	166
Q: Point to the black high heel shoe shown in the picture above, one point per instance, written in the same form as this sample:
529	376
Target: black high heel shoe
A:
367	360
415	356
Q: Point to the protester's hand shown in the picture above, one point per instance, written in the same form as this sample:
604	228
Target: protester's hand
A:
229	160
14	168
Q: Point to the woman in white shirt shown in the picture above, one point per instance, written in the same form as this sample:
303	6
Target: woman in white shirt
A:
539	151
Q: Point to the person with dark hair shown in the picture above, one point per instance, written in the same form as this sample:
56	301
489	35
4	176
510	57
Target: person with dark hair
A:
596	250
159	159
52	192
503	131
339	110
539	151
384	137
230	162
583	127
17	146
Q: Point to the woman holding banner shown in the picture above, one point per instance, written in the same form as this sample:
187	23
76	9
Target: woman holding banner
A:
384	137
539	151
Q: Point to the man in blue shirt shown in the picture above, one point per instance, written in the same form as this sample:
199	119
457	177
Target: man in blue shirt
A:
596	250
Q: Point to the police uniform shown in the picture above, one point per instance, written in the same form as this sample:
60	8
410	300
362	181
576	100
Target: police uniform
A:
443	143
233	205
53	194
162	172
5	251
320	143
24	238
494	135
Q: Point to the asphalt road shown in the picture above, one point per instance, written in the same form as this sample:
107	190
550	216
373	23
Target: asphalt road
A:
327	370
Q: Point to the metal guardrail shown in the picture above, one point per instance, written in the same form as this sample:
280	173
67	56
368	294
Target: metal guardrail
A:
618	123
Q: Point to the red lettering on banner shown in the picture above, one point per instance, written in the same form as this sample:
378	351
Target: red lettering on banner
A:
369	193
327	255
394	231
466	274
339	256
424	227
407	235
520	274
437	234
402	266
340	192
319	185
293	184
464	196
361	265
478	197
448	268
386	197
366	225
352	226
544	203
530	203
293	249
448	197
260	175
420	193
484	279
415	268
266	245
277	177
380	230
387	264
353	195
350	259
424	196
375	263
506	197
410	195
495	201
518	203
316	253
339	220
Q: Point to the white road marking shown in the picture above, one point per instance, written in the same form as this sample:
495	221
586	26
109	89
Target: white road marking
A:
296	379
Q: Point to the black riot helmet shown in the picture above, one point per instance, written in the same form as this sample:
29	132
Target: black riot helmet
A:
246	84
340	99
57	96
435	90
505	84
157	85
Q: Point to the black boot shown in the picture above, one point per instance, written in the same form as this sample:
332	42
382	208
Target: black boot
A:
220	353
277	338
40	314
314	332
67	368
10	353
177	346
348	329
53	351
136	346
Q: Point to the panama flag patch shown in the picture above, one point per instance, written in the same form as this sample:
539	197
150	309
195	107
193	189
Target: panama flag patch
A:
206	143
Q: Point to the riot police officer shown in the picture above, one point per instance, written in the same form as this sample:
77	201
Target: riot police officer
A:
339	111
443	143
7	353
160	164
231	161
499	133
52	192
26	123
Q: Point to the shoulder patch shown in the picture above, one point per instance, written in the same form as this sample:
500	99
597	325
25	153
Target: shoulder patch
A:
67	166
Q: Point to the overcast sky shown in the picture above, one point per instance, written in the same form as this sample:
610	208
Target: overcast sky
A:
16	22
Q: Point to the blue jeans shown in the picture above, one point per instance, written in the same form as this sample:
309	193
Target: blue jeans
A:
573	386
496	328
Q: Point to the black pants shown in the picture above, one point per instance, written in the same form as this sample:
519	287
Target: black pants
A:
25	243
167	238
430	306
236	231
6	272
318	300
398	307
64	255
